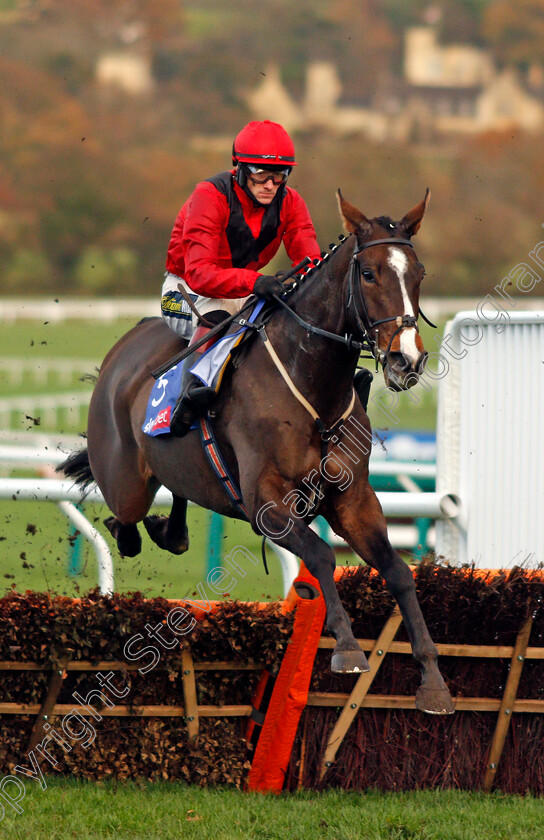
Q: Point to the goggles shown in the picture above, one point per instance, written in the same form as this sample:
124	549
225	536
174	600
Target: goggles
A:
261	176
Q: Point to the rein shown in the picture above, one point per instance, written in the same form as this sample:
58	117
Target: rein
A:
348	340
355	306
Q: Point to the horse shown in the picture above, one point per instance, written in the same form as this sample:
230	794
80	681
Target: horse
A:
282	432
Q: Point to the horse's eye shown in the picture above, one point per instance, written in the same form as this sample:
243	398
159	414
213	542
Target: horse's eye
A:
367	275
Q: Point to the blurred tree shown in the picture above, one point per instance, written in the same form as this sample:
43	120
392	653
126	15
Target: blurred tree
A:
100	270
515	31
25	269
366	42
92	176
460	21
125	21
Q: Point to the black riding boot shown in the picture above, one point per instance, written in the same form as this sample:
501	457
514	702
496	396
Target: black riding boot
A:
195	398
362	382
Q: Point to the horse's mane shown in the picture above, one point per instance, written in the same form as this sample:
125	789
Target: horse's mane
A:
300	280
388	223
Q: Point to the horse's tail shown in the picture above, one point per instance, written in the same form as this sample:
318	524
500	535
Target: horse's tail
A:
77	467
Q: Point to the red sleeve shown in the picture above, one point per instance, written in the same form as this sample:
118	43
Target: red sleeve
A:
205	224
299	237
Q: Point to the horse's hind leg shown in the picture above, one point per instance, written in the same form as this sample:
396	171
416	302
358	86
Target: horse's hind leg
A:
358	518
129	541
128	489
170	532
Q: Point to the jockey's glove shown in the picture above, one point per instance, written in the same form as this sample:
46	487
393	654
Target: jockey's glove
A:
266	286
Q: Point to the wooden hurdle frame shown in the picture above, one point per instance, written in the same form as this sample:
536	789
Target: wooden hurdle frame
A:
359	697
295	684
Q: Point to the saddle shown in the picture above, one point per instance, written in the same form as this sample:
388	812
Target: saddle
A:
233	344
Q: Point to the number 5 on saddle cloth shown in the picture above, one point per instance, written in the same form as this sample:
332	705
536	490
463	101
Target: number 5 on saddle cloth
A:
209	369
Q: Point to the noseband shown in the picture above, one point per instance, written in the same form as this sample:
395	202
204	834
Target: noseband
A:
356	308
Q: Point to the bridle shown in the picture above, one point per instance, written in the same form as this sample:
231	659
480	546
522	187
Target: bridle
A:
357	311
356	308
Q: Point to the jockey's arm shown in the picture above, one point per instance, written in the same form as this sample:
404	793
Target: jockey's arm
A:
299	238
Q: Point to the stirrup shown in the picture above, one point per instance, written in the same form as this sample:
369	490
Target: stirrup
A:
191	405
199	395
183	417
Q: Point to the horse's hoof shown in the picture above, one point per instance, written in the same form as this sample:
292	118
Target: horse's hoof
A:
349	662
434	701
157	528
129	541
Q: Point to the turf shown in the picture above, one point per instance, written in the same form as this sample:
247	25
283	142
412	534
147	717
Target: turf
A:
76	339
91	811
37	550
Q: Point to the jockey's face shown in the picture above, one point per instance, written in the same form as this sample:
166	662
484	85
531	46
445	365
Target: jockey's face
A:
264	193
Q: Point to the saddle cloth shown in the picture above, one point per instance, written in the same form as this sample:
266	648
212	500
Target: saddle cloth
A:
209	368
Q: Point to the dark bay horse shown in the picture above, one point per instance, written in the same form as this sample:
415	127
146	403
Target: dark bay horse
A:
367	288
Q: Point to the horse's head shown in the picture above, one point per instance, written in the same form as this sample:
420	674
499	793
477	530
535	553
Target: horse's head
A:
383	293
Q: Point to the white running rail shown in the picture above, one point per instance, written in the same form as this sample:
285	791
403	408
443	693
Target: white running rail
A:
111	309
412	504
16	370
51	410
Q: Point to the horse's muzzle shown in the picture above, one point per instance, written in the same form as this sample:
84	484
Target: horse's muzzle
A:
401	373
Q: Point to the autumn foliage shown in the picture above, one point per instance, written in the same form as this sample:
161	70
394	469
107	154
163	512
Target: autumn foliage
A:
92	177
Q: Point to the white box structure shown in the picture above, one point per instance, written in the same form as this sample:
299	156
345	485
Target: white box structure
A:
490	440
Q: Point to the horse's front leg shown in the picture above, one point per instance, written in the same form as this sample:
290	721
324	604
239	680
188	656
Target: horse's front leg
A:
357	517
272	518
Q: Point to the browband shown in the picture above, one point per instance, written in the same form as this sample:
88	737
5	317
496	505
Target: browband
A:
391	241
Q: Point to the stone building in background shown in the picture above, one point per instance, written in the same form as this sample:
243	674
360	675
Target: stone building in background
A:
445	90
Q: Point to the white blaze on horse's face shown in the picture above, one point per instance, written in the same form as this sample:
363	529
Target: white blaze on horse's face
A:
398	261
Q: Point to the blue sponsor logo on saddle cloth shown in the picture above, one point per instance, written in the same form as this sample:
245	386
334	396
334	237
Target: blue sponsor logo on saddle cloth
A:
209	369
161	402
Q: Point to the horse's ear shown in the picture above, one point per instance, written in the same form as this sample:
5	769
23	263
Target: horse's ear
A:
354	221
412	221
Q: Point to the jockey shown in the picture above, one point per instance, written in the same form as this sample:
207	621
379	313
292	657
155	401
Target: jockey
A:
229	228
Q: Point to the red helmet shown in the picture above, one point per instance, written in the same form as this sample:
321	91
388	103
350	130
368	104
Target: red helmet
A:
265	143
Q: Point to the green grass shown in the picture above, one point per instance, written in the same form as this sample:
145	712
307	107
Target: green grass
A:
38	341
75	339
36	551
161	811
